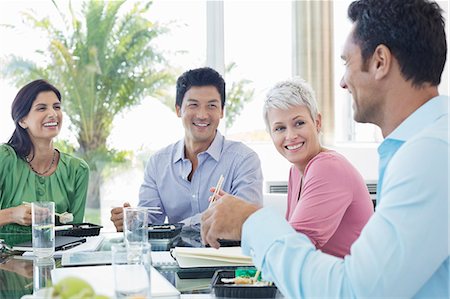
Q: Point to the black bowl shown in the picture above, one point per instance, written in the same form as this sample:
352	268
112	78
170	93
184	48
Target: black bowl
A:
164	231
223	290
79	230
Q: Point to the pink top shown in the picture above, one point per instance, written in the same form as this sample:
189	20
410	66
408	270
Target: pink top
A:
334	203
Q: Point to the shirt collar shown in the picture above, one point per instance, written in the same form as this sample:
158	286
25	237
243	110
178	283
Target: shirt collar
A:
422	117
214	149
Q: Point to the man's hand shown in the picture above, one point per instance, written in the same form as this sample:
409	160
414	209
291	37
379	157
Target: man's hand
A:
224	219
117	216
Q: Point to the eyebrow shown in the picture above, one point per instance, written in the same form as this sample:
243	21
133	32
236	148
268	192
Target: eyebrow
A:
45	105
210	101
293	119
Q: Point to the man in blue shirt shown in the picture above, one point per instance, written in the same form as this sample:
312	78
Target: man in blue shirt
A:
394	58
178	178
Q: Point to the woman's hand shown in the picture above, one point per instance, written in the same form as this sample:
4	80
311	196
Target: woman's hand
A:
21	214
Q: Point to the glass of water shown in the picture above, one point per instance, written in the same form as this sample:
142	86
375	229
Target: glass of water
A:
42	279
132	270
135	225
43	228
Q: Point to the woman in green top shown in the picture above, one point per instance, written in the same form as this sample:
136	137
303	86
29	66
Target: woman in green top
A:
31	169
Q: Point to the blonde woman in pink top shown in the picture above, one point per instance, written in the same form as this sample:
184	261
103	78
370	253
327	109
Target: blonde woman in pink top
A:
327	197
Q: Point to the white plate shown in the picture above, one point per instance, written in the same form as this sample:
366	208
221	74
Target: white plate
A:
45	293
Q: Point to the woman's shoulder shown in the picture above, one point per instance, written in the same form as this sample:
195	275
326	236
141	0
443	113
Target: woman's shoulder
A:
330	155
72	161
328	161
7	152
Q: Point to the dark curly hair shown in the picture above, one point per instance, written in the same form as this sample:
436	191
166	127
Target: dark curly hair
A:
204	76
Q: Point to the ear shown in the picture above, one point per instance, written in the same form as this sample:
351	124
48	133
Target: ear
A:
318	122
382	61
23	124
178	110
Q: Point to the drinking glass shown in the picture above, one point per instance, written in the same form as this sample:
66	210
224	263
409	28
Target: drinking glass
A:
135	225
42	279
43	228
132	270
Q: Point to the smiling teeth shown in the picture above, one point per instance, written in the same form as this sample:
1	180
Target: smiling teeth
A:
294	147
50	124
202	125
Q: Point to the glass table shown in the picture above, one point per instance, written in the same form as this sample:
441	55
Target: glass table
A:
16	271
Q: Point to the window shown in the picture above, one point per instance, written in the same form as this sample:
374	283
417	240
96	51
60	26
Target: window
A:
346	129
261	38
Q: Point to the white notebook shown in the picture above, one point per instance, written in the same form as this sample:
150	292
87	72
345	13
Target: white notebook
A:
159	259
92	244
101	278
190	257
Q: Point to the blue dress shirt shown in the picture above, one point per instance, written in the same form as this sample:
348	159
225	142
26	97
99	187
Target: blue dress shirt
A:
166	183
402	252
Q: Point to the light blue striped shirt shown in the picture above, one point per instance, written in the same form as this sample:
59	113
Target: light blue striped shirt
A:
166	183
402	252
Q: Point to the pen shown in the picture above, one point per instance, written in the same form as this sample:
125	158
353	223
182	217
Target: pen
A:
216	191
71	245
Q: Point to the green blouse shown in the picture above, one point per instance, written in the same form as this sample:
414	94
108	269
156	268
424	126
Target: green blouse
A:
67	186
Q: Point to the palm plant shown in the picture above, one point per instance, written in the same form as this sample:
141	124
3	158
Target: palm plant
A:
104	62
237	95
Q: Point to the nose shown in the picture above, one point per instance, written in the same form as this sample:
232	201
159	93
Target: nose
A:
342	83
52	113
202	113
291	134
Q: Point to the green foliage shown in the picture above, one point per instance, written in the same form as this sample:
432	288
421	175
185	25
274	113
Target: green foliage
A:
103	61
237	96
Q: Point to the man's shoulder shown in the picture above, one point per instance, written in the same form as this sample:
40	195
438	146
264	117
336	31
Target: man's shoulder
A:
437	131
430	145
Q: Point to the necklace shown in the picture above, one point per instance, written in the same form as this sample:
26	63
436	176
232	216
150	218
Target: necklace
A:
45	171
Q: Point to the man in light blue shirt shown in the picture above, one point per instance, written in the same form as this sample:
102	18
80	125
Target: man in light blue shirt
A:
394	59
178	178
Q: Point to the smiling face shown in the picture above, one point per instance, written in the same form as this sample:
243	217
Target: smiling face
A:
200	112
359	80
44	120
295	134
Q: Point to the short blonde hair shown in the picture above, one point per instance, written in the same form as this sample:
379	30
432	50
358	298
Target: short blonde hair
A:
290	93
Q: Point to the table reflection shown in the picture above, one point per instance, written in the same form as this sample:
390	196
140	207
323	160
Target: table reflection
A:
16	277
16	272
42	273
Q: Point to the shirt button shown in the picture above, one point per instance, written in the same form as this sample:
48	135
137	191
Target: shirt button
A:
193	195
41	180
40	192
